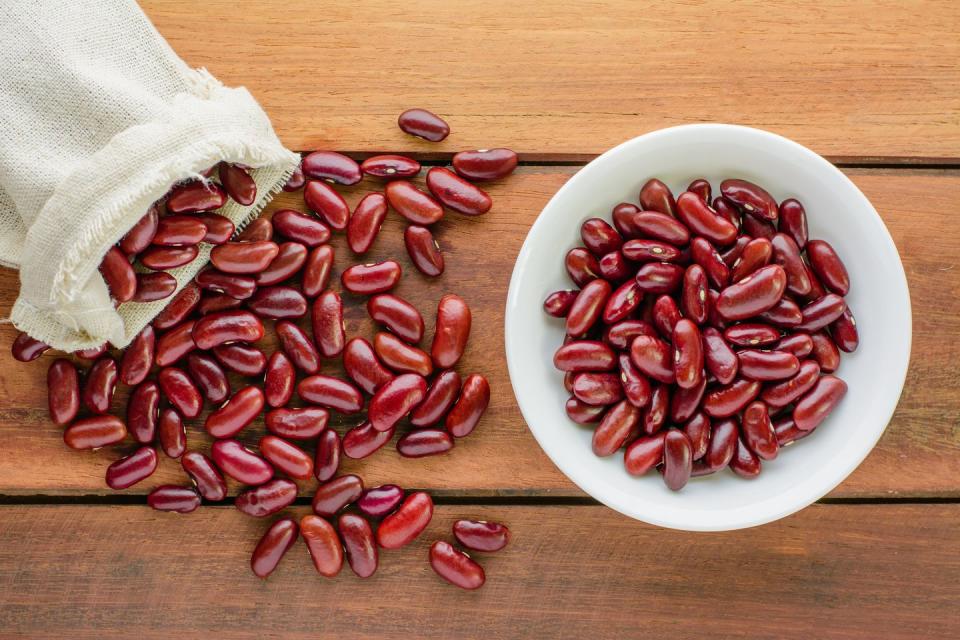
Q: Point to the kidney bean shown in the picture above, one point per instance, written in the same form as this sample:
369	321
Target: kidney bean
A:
180	391
423	124
816	405
816	289
787	432
719	358
750	198
698	429
278	539
142	412
643	250
758	432
173	436
584	355
597	388
439	399
583	413
767	365
412	203
289	261
131	469
258	230
303	229
241	358
423	250
206	477
599	237
298	347
398	315
677	459
331	166
390	167
665	316
659	277
455	192
401	357
704	254
209	377
844	331
787	255
398	397
656	414
239	411
162	258
92	353
685	402
296	180
452	330
225	327
327	203
694	212
615	428
94	432
713	316
331	392
179	308
361	364
636	387
244	257
481	535
63	391
195	196
785	313
799	344
170	497
653	358
278	302
297	424
358	543
322	544
402	527
783	393
334	495
687	354
316	272
744	462
825	352
656	196
380	501
213	302
644	454
624	217
693	298
726	209
279	379
614	267
621	334
368	279
660	226
756	253
366	221
470	406
754	294
141	234
154	286
240	463
455	566
751	334
363	440
701	188
582	266
757	228
286	457
828	267
218	228
327	321
266	499
118	273
730	399
733	253
327	459
822	312
179	230
723	443
793	221
175	344
100	385
485	164
424	442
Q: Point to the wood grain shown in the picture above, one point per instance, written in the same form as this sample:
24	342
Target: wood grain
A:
569	572
876	80
919	456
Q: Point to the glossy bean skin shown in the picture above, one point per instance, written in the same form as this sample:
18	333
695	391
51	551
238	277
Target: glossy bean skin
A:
141	234
316	272
621	334
226	326
92	353
440	397
644	250
470	406
334	495
279	380
452	331
799	344
656	413
174	231
358	544
179	308
209	376
196	196
751	334
820	313
423	124
599	237
597	388
323	545
485	164
378	502
401	357
243	258
582	266
365	223
684	402
730	399
362	365
783	393
844	332
286	457
332	166
297	424
327	322
659	277
258	230
757	228
587	307
455	566
665	315
787	431
277	303
643	454
733	253
718	357
206	477
301	228
687	354
118	273
369	279
750	198
693	297
754	294
100	385
323	200
153	286
170	497
413	204
240	463
660	226
757	431
767	365
756	253
582	413
825	352
481	535
786	253
163	258
698	429
241	358
131	469
63	391
331	392
656	196
396	399
677	459
239	411
723	443
744	462
793	221
816	405
402	527
635	385
234	286
266	499
701	188
704	254
584	355
171	433
326	460
274	544
397	315
620	304
363	440
142	412
785	313
828	267
175	344
290	259
624	216
423	250
296	180
298	346
94	432
615	428
653	357
219	228
138	357
702	221
456	193
390	167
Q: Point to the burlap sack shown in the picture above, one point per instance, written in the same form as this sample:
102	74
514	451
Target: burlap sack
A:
98	117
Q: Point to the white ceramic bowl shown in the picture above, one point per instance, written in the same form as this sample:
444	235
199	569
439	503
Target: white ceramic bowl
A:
837	212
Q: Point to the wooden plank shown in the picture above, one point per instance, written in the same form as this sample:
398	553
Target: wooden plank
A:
918	455
859	571
565	81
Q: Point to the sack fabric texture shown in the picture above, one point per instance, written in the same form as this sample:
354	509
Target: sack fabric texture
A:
98	118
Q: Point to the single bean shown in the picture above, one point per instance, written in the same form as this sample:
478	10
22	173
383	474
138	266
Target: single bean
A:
723	443
244	257
584	355
278	539
787	432
767	365
615	428
785	313
368	279
698	429
456	193
296	180
94	432
131	469
751	334
662	226
365	223
452	330
323	200
485	164
719	358
154	286
583	413
644	453
240	463
176	231
754	294
170	497
358	544
665	316
175	344
659	277
286	457
687	354
412	203
258	230
614	267
378	502
597	388
624	217
322	544
397	315
118	273
226	326
63	391
363	440
793	221
643	250
599	237
297	424
786	253
827	265
758	433
390	167
401	357
636	387
822	312
703	221
182	305
141	234
799	344
685	402
423	250
470	406
402	527
206	477
751	198
844	331
621	334
757	228
656	196
241	358
783	393
732	254
266	499
423	124
704	254
582	266
701	188
481	535
756	253
677	459
326	462
327	323
656	414
816	405
219	228
331	392
142	411
653	358
196	196
100	385
163	258
239	411
440	397
331	166
278	302
289	261
172	435
316	272
279	380
693	298
730	399
744	462
307	230
825	352
455	566
362	365
298	347
334	495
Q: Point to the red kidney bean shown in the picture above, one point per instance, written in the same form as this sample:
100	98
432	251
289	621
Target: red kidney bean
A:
822	312
298	347
756	253
118	273
582	266
844	332
644	454
751	334
100	385
209	377
277	303
787	431
213	302
380	501
175	344
693	298
358	543
799	344
643	250
750	198
597	388
731	255
713	316
424	442
162	258
94	432
785	313
744	462
327	320
239	411
368	279
175	231
327	203
141	234
825	352
218	228
730	399
456	193
397	398
290	259
138	357
793	221
656	414
179	308
767	365
440	397
331	392
327	459
301	228
278	539
754	294
757	228
687	354
828	267
297	424
615	428
63	391
154	286
624	216
131	469
758	432
698	430
584	355
195	196
636	387
614	267
241	358
455	566
142	412
816	405
240	463
470	406
719	358
659	277
92	353
366	221
701	188
361	364
787	255
660	226
334	495
599	237
398	315
656	196
722	444
258	230
412	203
621	334
783	393
170	497
423	250
209	481
180	391
226	326
423	124
331	166
677	459
704	254
685	402
363	440
452	330
296	180
583	413
401	357
323	545
816	289
173	436
267	499
665	316
402	527
278	381
653	358
244	257
390	167
316	272
485	164
481	535
286	457
701	220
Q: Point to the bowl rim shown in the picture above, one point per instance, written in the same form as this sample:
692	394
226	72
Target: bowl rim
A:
578	475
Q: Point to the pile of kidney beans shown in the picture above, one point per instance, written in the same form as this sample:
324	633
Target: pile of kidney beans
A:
180	361
702	336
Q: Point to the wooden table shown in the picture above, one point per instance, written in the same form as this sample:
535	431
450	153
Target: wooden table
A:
874	86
